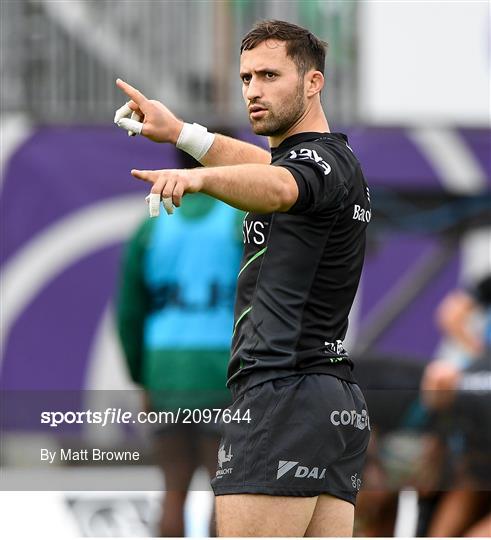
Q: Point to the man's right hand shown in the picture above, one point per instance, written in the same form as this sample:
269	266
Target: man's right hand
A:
158	123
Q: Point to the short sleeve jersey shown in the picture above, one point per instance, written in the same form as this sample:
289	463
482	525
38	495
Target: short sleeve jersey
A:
300	269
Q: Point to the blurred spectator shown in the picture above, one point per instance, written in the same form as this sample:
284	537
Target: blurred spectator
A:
404	451
432	441
175	318
465	396
456	317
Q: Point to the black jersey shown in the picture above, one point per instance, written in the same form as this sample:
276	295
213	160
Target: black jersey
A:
300	269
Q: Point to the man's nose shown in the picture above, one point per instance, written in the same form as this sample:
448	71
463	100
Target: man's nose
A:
253	90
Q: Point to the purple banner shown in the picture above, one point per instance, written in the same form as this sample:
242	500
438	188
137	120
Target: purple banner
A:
69	203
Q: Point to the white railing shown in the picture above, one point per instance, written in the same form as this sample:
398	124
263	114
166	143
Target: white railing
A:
60	59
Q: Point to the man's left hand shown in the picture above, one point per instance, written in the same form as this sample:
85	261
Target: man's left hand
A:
172	183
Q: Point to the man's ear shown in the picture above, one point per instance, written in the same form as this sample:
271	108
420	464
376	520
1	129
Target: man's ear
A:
314	83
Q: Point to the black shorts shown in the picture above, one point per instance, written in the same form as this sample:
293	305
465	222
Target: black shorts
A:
307	435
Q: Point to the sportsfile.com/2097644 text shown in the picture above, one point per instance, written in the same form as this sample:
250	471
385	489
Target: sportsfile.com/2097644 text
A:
113	415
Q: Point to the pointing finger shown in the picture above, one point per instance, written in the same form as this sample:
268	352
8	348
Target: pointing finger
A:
148	176
131	92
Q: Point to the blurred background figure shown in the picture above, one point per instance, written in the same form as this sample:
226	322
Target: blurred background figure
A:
464	315
432	428
463	391
175	319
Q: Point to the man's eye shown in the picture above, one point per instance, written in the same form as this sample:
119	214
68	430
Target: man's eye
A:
246	78
270	75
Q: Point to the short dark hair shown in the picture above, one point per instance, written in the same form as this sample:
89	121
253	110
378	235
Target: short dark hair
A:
305	49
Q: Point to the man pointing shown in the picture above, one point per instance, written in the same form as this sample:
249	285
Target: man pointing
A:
290	470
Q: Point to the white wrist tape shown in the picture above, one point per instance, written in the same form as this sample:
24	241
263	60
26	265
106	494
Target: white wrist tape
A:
195	140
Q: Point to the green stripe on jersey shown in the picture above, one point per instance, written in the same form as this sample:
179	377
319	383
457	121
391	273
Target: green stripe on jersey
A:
244	313
258	254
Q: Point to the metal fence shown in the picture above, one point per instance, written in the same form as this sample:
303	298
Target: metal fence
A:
60	58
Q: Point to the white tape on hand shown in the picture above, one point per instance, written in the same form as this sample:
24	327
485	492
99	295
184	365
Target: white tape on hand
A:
153	200
135	116
169	208
130	125
122	112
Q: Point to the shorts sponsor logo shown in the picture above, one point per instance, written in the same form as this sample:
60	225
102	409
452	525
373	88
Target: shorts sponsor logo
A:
301	471
224	457
351	418
284	467
336	347
356	482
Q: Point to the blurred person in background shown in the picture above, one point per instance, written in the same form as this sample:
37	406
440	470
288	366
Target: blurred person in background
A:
458	316
405	451
175	315
434	440
464	395
308	208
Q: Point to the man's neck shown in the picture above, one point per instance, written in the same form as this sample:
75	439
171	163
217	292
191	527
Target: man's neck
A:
314	120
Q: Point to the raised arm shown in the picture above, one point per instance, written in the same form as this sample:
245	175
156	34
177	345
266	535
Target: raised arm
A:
251	187
228	151
157	123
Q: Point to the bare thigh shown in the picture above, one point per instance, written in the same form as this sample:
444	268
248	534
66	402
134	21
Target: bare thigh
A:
455	513
176	456
331	517
208	450
263	515
480	529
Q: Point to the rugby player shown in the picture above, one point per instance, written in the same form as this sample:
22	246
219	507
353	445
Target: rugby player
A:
295	468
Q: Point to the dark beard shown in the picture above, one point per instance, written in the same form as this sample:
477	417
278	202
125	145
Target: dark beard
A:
277	124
